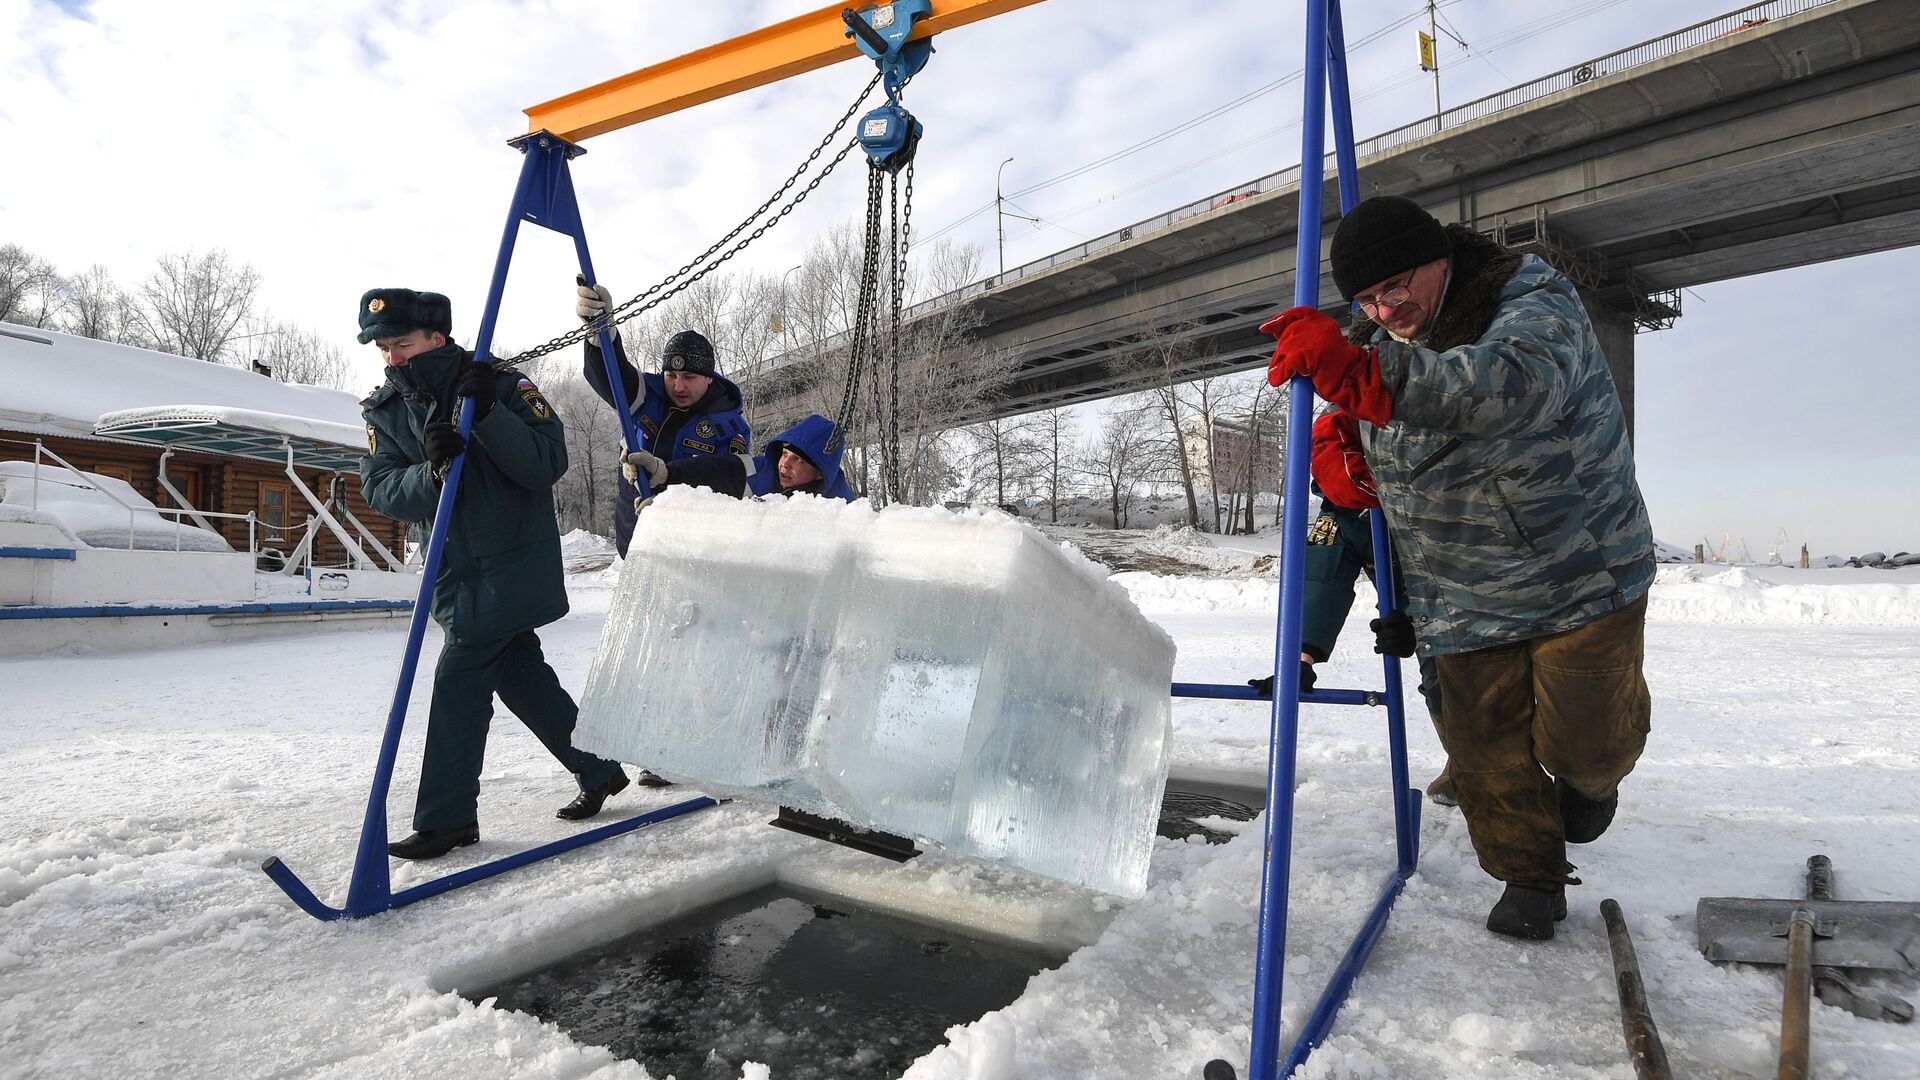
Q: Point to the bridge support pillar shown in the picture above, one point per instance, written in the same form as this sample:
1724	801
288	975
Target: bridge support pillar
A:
1615	329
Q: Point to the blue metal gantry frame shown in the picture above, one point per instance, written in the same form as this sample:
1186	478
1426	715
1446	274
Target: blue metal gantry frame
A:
1326	70
545	197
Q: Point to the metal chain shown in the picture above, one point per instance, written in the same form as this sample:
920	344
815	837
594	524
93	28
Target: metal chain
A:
902	237
654	296
864	313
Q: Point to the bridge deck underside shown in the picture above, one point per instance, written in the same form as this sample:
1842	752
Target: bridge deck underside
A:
1791	144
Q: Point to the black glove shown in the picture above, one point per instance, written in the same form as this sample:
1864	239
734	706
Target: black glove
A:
444	443
477	383
1265	686
1393	635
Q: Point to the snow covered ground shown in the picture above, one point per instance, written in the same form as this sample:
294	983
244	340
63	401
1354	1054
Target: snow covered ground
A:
140	791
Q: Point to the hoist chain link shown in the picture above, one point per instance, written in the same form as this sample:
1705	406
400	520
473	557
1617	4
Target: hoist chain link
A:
672	285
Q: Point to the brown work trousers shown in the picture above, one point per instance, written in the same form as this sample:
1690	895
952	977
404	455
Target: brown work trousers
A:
1572	705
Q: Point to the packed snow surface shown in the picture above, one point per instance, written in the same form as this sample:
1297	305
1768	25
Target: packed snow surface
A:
140	791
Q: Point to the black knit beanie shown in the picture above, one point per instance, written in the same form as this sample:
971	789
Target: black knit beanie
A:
1381	237
688	351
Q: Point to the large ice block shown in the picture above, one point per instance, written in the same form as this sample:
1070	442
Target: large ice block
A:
956	678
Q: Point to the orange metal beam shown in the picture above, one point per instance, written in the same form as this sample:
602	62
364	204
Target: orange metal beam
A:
800	44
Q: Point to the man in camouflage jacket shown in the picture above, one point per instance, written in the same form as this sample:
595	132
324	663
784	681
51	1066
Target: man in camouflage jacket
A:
1499	448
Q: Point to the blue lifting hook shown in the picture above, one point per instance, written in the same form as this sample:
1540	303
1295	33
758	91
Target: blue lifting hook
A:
889	134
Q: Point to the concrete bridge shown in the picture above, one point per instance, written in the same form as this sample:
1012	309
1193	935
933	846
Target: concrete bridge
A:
1781	135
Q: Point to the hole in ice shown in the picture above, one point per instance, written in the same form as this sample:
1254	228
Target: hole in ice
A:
816	987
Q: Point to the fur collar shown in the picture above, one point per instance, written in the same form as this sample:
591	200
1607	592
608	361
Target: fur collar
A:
1481	268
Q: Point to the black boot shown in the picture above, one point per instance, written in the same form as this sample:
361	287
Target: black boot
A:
648	778
433	843
1528	913
588	803
1582	818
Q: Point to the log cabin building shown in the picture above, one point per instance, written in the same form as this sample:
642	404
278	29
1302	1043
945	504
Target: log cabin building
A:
55	388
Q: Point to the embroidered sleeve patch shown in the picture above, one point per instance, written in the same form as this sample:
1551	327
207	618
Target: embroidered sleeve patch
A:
530	394
373	440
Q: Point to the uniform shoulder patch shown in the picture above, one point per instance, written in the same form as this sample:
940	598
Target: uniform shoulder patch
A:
373	440
530	394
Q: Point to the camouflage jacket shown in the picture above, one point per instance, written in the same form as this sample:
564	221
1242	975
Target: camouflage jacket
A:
1506	474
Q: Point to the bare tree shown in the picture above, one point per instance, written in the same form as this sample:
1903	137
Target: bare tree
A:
1124	454
1165	350
294	355
583	499
195	305
1002	451
30	290
98	308
1052	432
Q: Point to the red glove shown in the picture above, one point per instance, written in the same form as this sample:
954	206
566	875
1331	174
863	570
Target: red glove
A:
1311	344
1338	465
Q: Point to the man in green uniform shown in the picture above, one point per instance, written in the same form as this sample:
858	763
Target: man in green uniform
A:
500	574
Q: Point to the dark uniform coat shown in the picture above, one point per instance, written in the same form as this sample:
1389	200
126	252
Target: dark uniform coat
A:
501	571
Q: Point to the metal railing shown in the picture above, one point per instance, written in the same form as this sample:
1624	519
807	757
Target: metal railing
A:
40	449
1578	75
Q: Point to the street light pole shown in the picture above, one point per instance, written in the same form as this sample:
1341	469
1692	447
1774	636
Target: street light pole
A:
999	223
785	305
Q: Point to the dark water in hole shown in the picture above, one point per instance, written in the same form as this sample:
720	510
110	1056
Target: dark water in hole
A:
817	989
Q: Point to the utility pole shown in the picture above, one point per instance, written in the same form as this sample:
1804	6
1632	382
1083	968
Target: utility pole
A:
999	222
1430	57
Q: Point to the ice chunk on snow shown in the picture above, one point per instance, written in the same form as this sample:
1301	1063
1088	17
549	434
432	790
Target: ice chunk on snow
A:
955	678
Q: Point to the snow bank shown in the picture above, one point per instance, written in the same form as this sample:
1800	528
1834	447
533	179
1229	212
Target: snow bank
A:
1710	593
1744	594
91	515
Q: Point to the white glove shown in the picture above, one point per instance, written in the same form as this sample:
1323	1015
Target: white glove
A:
592	302
640	461
641	504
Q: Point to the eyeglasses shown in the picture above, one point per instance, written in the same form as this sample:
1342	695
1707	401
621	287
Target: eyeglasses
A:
1391	298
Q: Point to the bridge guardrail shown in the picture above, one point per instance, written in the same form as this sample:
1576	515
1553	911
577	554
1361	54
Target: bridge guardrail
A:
1612	63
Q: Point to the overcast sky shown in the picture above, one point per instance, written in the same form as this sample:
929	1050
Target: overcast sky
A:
347	144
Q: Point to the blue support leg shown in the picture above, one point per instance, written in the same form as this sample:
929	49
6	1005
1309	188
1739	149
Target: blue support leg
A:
1269	963
1406	801
1325	73
544	196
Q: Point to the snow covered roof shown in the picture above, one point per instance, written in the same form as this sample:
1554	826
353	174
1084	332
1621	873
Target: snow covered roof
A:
58	384
316	444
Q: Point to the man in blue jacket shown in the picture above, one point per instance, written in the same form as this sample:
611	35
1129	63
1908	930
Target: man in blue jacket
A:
1499	449
804	459
500	574
685	410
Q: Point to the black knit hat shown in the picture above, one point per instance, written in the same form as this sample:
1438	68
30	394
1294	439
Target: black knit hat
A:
688	351
1381	237
388	313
